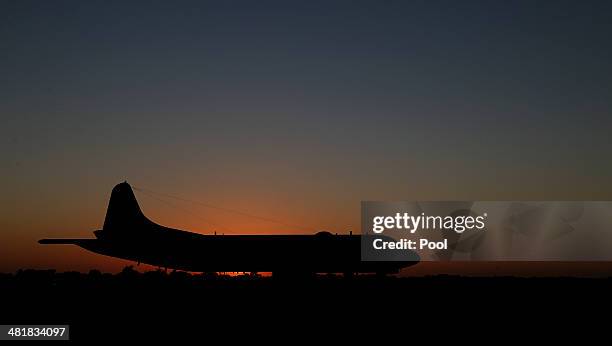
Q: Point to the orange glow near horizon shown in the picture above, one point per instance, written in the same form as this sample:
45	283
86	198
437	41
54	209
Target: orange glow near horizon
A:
48	218
67	217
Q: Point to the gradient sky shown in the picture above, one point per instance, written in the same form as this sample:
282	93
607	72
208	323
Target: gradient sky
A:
292	110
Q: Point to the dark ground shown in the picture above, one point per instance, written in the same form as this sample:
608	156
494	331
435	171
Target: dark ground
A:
177	305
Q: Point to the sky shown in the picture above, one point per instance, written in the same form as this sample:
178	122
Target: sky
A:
292	110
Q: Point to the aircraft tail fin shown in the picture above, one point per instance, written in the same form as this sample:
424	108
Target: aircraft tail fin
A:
123	212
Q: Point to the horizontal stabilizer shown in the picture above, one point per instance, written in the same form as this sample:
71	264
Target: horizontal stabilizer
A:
60	241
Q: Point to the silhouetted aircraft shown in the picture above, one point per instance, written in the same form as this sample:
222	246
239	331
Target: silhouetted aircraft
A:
128	234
